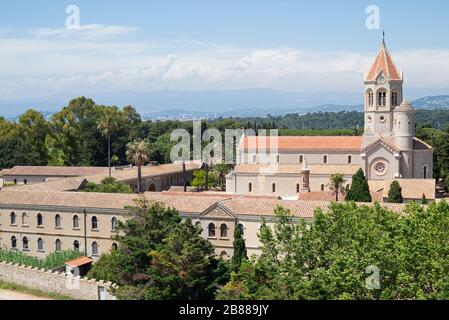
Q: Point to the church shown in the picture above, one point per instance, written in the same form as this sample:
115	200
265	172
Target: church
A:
387	151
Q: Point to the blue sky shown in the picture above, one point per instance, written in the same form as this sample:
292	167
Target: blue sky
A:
143	45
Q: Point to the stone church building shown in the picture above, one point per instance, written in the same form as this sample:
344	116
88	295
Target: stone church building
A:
387	151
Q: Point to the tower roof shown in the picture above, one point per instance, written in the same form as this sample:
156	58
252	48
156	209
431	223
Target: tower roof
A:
383	63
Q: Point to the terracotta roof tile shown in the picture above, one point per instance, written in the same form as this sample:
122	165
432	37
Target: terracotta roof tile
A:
353	143
79	262
383	63
54	171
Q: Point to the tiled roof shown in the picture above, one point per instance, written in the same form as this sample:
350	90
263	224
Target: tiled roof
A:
383	63
317	196
54	171
411	188
79	262
349	143
185	203
420	145
68	184
149	171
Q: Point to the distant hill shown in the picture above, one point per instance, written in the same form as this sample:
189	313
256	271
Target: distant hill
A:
195	105
432	102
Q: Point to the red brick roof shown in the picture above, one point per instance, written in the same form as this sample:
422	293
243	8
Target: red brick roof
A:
79	262
383	63
353	143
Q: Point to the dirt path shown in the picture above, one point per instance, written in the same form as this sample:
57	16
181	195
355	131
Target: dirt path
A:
13	295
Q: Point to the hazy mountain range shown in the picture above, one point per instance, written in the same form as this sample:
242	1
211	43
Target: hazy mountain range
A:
211	104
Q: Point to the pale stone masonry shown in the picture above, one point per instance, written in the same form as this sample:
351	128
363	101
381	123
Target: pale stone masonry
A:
387	151
39	223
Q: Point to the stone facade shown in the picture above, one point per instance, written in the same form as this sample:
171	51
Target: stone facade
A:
388	149
56	282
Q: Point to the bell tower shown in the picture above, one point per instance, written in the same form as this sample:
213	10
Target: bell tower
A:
383	93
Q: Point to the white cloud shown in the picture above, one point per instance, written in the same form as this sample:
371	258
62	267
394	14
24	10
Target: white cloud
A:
89	31
52	62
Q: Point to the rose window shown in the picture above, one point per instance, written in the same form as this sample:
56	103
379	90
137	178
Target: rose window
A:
380	168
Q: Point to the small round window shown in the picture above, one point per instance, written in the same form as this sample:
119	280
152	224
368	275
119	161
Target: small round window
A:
382	119
380	168
369	119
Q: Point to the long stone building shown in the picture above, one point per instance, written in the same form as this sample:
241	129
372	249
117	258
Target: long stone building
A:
387	151
41	222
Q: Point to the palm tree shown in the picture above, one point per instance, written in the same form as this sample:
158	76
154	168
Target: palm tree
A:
337	184
221	169
138	152
107	125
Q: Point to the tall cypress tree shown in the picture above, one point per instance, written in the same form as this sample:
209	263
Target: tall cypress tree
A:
395	193
240	253
359	191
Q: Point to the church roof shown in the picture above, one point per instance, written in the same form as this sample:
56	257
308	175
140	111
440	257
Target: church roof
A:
347	143
383	63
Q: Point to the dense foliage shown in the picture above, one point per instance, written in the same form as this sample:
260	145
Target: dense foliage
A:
108	185
359	190
161	256
395	193
53	260
340	254
80	133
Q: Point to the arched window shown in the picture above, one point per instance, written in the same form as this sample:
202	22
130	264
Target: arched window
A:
370	98
25	181
15	181
382	98
250	187
298	188
114	224
395	98
349	159
322	187
425	172
223	231
58	245
25	243
241	228
40	220
114	246
211	230
278	159
223	255
94	223
301	159
40	244
76	222
13	218
24	218
13	242
94	249
324	159
76	245
273	187
57	221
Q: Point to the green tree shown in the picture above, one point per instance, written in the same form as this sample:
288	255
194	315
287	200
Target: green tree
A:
337	184
424	199
328	257
107	125
161	256
139	152
395	193
221	170
199	179
359	190
108	185
240	254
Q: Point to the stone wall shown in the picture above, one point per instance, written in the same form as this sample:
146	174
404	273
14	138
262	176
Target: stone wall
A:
57	282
